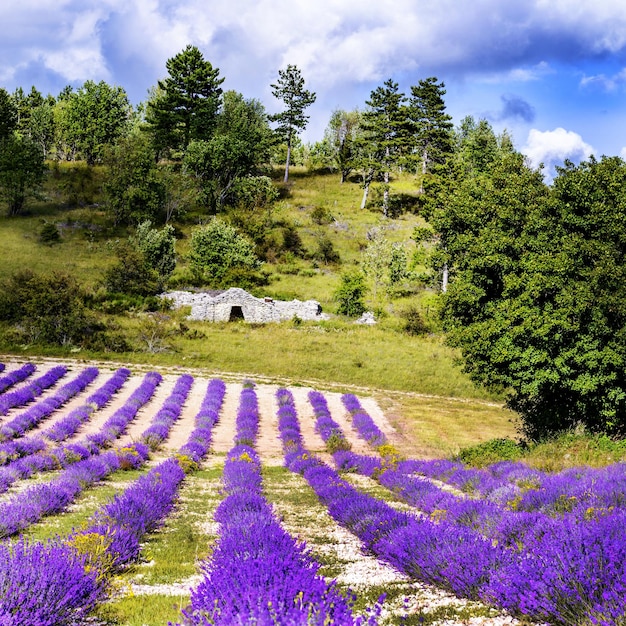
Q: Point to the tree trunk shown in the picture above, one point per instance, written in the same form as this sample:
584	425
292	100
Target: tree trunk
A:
286	178
386	194
444	278
366	189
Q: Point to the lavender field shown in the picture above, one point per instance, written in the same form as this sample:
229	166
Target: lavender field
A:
300	506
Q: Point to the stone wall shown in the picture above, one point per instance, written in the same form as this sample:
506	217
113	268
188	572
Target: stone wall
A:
237	303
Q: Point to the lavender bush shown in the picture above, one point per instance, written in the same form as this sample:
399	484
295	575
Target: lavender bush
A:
47	584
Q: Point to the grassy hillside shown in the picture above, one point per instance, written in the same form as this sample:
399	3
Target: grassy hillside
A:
338	352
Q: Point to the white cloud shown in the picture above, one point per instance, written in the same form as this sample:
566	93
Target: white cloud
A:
553	147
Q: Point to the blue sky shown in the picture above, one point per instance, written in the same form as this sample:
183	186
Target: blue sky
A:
552	72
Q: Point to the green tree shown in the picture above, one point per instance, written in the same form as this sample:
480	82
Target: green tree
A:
537	302
341	136
218	253
290	89
431	126
8	114
240	145
385	126
134	190
21	171
46	309
158	247
92	118
350	294
41	126
184	107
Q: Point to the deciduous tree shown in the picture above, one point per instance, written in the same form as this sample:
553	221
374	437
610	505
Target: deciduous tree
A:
537	300
21	171
218	251
92	118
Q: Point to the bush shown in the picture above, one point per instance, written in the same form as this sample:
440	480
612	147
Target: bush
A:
413	321
350	293
49	234
326	252
218	252
321	216
47	309
491	451
132	274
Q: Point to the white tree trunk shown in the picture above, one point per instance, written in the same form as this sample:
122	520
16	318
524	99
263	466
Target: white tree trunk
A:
366	190
286	178
444	278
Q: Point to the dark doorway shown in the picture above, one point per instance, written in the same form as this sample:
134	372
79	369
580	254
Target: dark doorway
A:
236	313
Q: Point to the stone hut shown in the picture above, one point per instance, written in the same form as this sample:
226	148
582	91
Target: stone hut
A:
237	304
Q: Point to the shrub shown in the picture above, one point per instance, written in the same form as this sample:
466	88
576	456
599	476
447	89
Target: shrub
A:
49	234
413	321
218	249
491	451
350	293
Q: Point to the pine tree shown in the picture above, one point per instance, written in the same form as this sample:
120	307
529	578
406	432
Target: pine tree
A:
290	89
431	126
185	104
385	133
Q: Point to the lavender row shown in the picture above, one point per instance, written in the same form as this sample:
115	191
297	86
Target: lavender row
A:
164	419
32	416
199	440
362	421
330	432
514	485
32	390
30	505
2	366
66	427
30	455
258	573
140	509
16	376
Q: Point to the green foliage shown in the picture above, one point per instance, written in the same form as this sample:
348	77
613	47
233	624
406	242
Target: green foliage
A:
491	451
219	254
253	192
430	124
21	171
326	252
385	134
185	105
49	234
91	119
350	294
131	273
341	141
290	89
538	300
49	309
413	322
239	146
134	190
8	115
321	216
157	246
